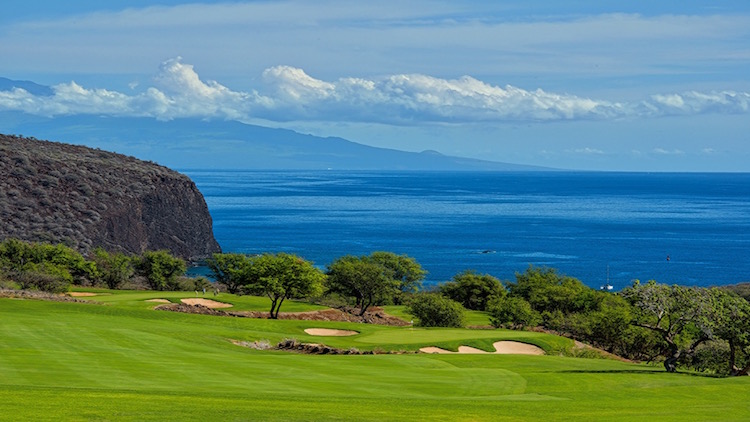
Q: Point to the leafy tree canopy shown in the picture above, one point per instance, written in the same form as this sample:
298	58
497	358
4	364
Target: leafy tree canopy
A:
473	290
230	270
161	269
282	276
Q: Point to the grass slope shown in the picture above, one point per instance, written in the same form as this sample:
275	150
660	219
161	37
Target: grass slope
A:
124	361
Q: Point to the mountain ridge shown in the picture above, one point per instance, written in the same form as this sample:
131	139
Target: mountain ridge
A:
197	143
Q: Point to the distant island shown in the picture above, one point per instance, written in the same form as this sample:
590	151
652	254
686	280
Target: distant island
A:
229	145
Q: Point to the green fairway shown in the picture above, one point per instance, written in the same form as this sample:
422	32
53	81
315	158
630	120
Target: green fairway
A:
121	360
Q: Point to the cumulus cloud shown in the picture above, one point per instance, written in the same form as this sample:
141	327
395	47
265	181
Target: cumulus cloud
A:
290	94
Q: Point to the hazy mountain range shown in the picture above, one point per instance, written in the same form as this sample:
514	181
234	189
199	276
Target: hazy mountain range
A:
195	143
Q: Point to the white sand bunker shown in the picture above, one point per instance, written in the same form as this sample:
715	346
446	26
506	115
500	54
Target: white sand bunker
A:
330	332
157	300
501	348
206	302
81	294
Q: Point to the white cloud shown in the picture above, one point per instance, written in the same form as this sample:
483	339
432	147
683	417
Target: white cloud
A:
290	94
662	151
589	151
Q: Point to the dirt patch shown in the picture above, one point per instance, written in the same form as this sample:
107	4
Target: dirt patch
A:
501	348
27	294
191	309
293	345
81	294
206	302
158	300
330	332
377	316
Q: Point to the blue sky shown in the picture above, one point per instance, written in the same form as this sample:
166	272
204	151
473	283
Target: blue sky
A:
602	85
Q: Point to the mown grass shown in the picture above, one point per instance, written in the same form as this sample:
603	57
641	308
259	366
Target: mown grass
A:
123	361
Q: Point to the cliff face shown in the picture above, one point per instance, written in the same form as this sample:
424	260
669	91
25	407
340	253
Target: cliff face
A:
87	198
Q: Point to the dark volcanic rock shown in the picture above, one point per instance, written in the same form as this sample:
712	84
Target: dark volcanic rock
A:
86	198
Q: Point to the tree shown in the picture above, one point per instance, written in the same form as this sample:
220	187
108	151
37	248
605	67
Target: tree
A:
160	269
362	278
732	324
548	291
114	268
229	269
282	276
433	310
512	312
680	315
402	268
473	290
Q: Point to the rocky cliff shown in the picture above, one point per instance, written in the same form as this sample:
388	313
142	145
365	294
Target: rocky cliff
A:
86	198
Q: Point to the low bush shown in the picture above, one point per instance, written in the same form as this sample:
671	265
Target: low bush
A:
433	310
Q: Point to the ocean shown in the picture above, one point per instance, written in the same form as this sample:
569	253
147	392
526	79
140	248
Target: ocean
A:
683	228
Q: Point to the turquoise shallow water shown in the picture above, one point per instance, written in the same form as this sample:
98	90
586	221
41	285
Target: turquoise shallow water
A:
498	223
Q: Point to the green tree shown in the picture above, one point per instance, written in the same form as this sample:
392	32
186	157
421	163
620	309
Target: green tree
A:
114	268
282	276
680	315
402	268
473	290
434	310
160	269
512	312
548	292
732	324
230	270
362	278
14	254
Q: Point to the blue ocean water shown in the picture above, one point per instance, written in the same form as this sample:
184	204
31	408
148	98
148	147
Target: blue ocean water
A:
689	228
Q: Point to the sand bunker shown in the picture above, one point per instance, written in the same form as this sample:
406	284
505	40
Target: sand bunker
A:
206	302
330	332
516	348
501	348
158	300
81	294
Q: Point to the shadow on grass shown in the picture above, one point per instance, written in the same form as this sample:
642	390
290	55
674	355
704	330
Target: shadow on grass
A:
638	371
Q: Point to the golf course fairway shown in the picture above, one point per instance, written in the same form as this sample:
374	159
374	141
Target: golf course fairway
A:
117	358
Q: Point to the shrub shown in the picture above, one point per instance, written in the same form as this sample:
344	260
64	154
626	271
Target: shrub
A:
433	310
45	277
114	269
512	312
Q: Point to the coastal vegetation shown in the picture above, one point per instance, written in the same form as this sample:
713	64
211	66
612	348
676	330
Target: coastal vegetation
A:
705	329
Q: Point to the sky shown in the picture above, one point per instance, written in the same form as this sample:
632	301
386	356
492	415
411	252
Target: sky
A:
590	85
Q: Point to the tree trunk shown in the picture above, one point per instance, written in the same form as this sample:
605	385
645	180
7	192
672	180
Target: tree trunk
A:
670	363
273	307
364	307
278	307
733	370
